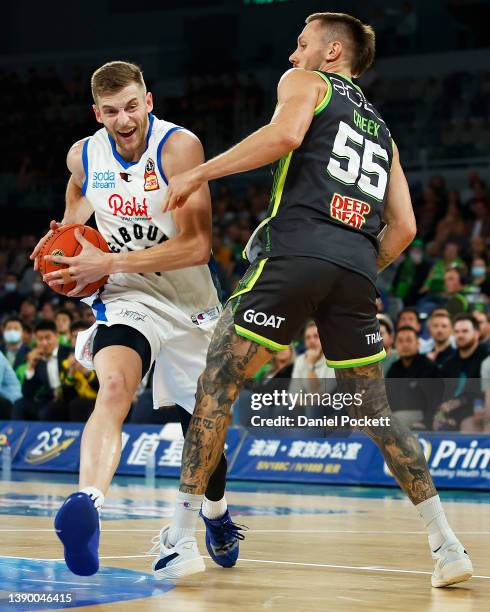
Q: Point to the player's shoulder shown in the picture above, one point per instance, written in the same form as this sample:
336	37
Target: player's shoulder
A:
177	139
74	157
296	76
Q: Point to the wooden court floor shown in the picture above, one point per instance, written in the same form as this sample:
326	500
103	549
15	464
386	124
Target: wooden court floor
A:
348	550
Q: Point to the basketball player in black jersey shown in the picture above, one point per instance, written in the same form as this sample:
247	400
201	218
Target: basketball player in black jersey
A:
340	212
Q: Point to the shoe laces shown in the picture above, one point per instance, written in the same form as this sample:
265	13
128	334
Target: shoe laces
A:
156	541
229	529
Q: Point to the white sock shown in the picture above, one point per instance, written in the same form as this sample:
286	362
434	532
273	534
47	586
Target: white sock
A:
95	495
214	509
187	506
436	523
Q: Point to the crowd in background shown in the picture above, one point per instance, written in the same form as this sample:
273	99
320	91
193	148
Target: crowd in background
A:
433	310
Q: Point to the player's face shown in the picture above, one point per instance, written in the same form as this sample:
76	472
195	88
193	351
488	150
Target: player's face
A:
310	51
440	329
125	116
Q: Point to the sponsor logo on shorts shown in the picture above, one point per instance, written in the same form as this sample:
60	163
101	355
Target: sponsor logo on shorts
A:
104	179
374	338
151	179
132	314
203	317
130	210
349	210
262	319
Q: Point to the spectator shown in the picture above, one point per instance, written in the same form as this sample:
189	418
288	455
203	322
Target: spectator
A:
441	329
280	367
409	317
412	400
79	385
28	312
483	319
10	298
411	273
457	412
13	346
9	388
434	284
388	335
456	301
310	369
41	384
64	319
478	290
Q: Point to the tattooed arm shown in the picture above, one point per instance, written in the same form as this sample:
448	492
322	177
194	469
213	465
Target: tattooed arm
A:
231	360
401	449
398	215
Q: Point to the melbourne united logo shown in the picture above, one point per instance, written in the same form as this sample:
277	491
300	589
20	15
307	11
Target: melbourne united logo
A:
151	179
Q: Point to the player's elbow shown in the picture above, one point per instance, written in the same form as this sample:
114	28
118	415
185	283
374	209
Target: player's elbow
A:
291	141
201	254
410	229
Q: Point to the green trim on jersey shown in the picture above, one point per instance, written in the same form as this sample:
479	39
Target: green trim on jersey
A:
328	94
350	81
270	344
356	363
276	195
250	282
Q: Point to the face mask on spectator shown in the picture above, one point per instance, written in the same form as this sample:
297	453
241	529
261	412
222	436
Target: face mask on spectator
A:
416	256
10	287
478	271
12	336
37	287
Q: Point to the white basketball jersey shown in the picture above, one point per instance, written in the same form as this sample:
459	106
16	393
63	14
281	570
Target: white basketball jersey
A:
127	198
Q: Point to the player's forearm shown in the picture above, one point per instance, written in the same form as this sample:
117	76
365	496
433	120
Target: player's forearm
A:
77	207
393	240
266	145
174	254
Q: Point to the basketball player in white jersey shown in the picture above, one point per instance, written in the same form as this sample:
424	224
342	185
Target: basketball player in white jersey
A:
159	305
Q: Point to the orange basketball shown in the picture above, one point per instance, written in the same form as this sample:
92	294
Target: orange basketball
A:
63	242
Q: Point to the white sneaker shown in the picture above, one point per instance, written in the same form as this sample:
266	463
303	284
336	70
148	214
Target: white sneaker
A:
177	561
452	565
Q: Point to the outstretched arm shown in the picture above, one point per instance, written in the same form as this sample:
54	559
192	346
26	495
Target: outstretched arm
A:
298	93
398	215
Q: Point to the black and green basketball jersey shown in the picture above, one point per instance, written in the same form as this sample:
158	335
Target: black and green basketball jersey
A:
328	195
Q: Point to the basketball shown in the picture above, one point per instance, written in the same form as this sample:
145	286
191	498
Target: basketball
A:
62	242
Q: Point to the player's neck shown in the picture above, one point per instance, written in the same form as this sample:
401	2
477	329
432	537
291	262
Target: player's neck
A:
337	67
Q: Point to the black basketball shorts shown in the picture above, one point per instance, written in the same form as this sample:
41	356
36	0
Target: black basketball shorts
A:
276	296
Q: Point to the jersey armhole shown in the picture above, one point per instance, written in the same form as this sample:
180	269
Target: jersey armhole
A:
85	165
160	147
326	99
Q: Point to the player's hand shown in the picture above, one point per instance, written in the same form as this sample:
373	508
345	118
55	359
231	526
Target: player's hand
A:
180	187
54	225
88	267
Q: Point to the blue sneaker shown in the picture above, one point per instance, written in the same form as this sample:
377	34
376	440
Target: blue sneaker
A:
222	539
78	527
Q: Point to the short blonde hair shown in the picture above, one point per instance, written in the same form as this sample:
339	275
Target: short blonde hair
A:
114	76
360	35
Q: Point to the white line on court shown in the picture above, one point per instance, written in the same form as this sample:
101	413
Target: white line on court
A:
363	568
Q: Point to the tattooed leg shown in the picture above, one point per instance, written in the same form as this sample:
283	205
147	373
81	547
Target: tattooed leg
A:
231	360
401	449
